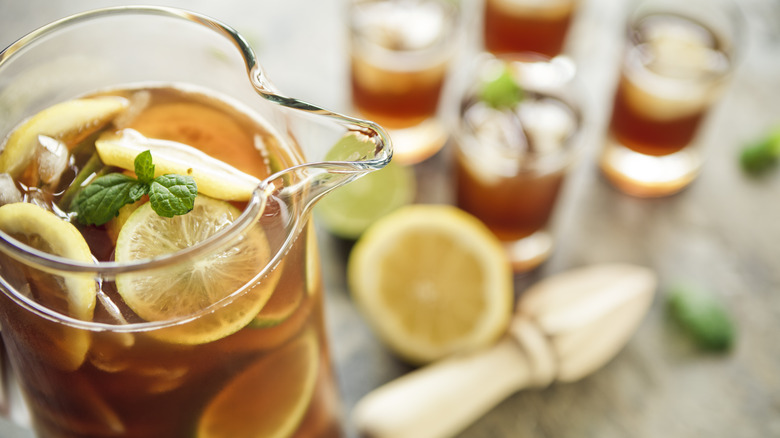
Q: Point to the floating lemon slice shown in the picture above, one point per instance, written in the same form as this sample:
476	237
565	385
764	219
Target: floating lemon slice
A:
432	281
68	122
213	177
74	295
187	289
270	398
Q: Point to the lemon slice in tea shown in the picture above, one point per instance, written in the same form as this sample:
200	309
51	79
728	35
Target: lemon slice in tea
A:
74	296
186	289
68	122
213	177
432	281
270	398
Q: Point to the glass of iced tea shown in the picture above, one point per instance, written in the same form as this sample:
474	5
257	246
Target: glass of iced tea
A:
159	274
677	60
400	56
511	160
513	26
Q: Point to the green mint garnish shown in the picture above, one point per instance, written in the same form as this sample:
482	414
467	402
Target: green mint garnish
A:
702	316
762	155
144	168
169	195
503	91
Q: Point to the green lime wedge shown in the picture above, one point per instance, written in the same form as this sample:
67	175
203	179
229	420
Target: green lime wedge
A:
349	210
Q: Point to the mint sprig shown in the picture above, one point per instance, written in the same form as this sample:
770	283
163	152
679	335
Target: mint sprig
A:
503	91
169	195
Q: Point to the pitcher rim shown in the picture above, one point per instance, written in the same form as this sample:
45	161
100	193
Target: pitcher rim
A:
255	206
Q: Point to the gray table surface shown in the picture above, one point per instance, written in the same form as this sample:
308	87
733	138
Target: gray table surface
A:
723	232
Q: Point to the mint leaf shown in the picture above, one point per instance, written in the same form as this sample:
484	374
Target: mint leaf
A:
172	195
169	195
702	316
503	91
762	155
101	200
144	168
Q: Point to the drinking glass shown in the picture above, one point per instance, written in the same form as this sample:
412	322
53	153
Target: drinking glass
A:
400	55
511	163
678	59
251	360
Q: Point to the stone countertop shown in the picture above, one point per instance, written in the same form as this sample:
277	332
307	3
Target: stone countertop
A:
723	232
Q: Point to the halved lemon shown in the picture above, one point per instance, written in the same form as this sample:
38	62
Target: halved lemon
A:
270	398
67	122
187	289
74	295
432	281
213	177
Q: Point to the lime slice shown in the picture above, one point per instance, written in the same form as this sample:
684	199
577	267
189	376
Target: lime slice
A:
349	210
270	398
68	122
213	177
74	295
432	281
184	290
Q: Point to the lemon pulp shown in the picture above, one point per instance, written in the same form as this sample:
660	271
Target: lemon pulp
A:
432	281
68	122
73	295
189	288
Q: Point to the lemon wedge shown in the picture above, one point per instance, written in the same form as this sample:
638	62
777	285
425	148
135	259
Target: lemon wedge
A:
68	122
213	177
432	281
270	398
74	295
186	289
350	210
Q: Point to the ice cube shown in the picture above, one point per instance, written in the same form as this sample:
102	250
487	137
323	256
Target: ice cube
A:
548	124
9	192
403	25
138	102
681	49
52	159
500	140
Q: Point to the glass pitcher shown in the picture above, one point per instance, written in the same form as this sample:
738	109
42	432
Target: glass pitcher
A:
205	324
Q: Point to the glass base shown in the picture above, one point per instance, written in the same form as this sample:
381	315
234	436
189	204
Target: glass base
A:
648	176
417	143
529	252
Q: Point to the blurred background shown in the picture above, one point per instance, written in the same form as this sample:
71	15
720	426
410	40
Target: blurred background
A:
722	232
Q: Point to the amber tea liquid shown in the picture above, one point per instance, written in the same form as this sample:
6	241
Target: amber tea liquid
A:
512	26
136	384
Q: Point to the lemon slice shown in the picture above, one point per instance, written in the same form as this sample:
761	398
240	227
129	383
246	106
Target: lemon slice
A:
270	398
350	210
184	290
213	177
432	281
71	295
67	122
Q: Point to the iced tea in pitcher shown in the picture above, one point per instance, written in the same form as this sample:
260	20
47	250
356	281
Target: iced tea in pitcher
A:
158	273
